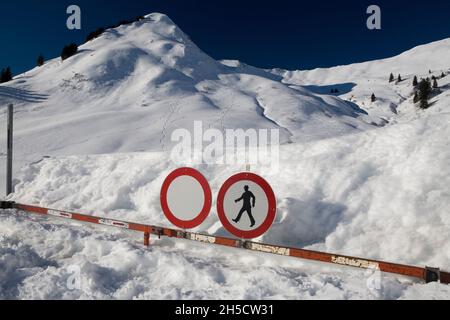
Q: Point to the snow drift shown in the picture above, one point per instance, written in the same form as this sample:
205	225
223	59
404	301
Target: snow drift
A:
391	203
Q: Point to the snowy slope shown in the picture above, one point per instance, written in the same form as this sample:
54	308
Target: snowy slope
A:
357	178
127	90
357	82
419	60
392	203
38	259
395	189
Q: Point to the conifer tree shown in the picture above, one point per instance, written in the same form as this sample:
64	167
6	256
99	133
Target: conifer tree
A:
416	97
40	60
424	93
6	75
69	51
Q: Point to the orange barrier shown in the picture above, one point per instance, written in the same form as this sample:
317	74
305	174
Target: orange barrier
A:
427	274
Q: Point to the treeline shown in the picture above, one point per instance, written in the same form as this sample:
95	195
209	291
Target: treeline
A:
6	75
97	33
423	89
70	49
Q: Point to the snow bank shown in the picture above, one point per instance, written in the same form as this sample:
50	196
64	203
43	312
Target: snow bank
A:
379	194
53	260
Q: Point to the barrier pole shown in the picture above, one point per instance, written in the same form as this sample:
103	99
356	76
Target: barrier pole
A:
9	188
426	274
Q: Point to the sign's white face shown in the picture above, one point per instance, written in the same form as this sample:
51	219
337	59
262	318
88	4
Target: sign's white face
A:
232	209
185	198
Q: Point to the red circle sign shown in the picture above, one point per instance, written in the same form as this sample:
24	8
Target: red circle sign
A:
246	205
186	198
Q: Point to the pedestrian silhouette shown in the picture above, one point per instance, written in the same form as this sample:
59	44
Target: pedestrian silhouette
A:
247	196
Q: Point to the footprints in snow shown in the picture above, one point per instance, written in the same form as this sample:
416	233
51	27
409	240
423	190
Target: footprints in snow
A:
174	109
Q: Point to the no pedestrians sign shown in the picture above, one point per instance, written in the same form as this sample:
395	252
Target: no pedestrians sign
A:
246	205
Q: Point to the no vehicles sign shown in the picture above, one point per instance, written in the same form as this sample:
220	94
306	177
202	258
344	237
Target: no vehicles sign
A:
246	205
186	198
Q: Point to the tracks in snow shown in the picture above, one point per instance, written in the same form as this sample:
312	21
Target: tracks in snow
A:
174	109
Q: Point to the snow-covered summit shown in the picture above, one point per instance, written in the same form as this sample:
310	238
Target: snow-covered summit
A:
129	88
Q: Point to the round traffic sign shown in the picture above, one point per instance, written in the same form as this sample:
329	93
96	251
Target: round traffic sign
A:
246	205
186	198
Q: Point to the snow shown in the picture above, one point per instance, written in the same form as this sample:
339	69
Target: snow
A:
113	267
355	177
357	82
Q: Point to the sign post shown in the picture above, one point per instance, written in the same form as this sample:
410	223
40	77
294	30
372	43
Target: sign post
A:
9	160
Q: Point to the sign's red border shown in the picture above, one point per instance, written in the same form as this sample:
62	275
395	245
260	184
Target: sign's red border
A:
272	206
198	220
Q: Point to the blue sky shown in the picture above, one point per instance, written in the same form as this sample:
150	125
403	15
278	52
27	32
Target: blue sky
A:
287	34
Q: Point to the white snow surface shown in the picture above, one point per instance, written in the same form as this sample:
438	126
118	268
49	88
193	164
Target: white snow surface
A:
355	177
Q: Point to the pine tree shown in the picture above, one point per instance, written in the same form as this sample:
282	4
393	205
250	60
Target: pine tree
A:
424	93
415	82
399	78
95	34
416	97
40	60
443	74
373	98
6	75
391	78
9	75
435	84
69	51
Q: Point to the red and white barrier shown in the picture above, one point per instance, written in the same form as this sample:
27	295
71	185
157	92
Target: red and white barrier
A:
427	274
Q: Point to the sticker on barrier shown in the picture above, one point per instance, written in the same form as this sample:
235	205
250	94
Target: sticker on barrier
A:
186	198
246	205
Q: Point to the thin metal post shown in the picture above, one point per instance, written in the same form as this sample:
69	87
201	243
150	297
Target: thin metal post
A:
9	188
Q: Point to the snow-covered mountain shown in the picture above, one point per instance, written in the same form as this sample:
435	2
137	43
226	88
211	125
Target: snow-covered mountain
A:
357	82
358	177
134	84
127	90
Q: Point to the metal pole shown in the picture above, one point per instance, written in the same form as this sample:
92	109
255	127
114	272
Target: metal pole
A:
9	188
427	274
